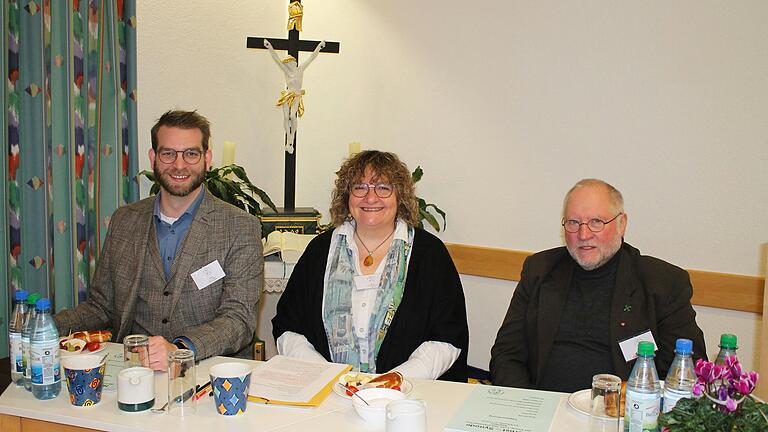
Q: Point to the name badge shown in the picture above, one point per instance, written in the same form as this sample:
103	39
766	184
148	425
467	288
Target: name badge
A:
629	346
365	282
208	274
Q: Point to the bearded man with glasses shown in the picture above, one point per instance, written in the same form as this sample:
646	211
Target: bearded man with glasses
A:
183	267
580	310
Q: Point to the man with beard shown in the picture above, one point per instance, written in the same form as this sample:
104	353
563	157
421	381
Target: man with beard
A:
580	310
182	266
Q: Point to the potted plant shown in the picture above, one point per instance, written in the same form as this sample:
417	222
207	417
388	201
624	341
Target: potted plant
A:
238	191
424	206
722	401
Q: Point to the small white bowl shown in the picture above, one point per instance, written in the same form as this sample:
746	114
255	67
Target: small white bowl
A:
378	398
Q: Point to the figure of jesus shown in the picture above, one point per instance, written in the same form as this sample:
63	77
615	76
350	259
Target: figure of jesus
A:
292	98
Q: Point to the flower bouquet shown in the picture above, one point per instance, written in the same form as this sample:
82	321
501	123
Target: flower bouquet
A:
722	401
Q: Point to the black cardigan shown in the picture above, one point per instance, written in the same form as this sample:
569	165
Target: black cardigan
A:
432	308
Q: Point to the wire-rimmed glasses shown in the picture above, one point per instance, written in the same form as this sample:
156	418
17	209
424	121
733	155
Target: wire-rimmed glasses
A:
382	190
190	156
595	225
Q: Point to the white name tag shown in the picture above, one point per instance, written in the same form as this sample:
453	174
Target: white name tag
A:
629	346
367	281
208	274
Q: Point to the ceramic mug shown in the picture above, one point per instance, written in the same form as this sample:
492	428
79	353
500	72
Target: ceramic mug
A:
85	378
136	389
406	415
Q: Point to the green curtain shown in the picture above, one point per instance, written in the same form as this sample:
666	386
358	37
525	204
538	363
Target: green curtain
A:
69	127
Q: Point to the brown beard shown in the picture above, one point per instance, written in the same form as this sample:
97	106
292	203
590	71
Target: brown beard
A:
197	180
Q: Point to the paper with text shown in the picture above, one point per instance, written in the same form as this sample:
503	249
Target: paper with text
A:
502	409
286	380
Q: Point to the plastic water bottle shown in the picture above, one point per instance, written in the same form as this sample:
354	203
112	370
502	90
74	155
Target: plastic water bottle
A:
643	400
44	349
727	347
680	378
15	327
25	334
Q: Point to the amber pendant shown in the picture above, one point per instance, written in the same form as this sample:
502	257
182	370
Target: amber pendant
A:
368	261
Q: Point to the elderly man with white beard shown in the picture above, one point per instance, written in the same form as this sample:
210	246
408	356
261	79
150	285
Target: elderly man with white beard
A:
580	310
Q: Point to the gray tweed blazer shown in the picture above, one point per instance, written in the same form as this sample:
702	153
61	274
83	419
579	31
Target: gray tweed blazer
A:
219	319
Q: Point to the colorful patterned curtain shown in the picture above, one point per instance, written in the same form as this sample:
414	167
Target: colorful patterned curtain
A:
69	129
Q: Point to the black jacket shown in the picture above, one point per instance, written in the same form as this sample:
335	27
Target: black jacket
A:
432	308
648	294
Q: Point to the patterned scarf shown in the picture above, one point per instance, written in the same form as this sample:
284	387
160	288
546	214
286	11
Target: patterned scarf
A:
337	310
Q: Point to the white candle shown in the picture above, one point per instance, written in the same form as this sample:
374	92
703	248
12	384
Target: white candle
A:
354	148
228	155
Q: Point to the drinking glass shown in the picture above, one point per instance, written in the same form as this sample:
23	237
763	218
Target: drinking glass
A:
136	350
181	383
605	407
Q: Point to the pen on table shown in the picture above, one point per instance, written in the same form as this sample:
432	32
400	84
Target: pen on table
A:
202	390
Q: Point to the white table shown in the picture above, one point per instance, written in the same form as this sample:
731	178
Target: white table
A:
334	414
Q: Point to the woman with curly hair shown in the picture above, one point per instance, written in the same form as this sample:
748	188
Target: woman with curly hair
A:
376	292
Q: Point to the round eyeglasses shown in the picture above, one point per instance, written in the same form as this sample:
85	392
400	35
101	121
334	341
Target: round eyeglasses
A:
190	156
595	225
382	190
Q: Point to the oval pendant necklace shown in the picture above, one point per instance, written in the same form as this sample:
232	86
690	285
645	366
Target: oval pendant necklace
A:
368	261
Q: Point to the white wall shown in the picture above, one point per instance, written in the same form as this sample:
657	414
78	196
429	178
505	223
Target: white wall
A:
505	104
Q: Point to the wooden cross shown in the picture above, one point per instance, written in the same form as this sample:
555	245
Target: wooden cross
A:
293	45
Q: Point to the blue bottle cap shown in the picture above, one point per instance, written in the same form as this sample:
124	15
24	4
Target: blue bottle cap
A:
21	295
684	346
43	303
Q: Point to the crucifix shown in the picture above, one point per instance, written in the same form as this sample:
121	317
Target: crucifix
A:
292	97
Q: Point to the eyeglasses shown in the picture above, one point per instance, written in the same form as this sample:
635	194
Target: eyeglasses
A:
190	156
594	225
382	190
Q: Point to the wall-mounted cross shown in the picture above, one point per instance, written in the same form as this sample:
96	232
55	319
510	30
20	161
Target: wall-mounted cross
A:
293	45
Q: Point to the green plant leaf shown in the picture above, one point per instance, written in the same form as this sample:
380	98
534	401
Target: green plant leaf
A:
440	212
417	174
429	218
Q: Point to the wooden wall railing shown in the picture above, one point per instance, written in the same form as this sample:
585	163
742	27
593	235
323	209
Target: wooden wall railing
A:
720	290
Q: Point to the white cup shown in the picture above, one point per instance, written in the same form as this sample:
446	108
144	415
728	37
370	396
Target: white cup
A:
136	389
407	415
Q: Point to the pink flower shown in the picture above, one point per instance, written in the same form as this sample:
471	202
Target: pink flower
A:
698	388
731	405
733	365
705	371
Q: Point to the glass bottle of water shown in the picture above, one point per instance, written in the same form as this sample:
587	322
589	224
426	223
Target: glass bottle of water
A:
44	348
643	400
727	347
25	334
680	378
15	327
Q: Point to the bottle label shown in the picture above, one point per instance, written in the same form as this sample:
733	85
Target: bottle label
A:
671	397
25	356
46	365
17	360
641	412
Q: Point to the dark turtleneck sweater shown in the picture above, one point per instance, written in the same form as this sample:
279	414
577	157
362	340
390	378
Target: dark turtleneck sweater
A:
582	347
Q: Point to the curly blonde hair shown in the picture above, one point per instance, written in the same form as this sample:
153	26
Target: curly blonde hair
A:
384	165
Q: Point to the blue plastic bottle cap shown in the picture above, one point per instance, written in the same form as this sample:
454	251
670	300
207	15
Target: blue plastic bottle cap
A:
684	346
21	295
43	303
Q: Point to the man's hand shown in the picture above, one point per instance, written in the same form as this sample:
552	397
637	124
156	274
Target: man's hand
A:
158	353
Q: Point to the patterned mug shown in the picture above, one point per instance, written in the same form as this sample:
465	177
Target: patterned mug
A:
230	382
85	378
